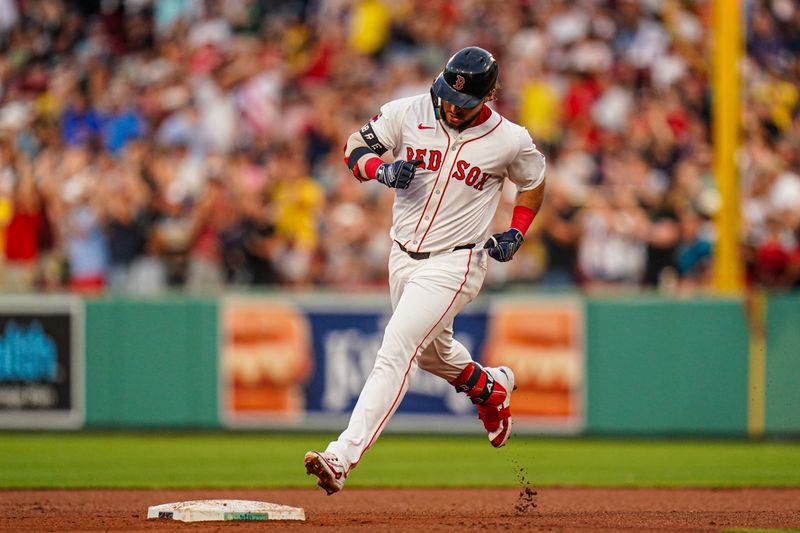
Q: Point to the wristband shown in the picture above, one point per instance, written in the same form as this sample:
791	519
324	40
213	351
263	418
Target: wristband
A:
521	218
371	167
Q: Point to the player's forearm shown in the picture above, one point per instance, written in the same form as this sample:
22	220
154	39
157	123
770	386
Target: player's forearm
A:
526	206
531	199
362	161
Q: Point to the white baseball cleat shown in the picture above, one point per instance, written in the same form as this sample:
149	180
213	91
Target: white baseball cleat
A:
329	471
497	418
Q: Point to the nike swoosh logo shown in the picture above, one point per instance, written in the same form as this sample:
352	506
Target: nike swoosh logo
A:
420	126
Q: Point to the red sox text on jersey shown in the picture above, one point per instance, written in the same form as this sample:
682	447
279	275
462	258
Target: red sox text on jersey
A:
453	197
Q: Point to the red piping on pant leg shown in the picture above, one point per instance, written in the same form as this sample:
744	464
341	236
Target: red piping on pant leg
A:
408	369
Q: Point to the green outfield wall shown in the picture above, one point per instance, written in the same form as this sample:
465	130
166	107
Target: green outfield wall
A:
782	402
667	366
151	363
653	366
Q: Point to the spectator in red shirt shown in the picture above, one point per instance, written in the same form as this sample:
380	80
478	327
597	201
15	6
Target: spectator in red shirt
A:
23	233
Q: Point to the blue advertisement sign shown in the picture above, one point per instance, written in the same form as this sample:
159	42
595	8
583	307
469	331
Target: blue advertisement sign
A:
345	345
304	364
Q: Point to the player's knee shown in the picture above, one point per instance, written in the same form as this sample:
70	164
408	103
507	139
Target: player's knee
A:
397	343
390	361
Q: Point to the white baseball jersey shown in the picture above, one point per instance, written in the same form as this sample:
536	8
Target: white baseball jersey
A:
449	203
454	195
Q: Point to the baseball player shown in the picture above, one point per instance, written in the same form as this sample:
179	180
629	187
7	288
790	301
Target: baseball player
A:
447	155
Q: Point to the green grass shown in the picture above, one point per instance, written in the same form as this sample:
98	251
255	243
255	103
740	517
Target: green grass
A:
44	460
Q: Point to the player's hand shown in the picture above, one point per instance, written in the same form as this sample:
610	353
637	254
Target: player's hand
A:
398	174
503	246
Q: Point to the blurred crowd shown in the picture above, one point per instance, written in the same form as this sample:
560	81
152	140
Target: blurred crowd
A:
150	145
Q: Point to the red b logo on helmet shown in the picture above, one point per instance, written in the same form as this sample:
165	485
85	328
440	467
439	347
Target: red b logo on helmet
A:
459	84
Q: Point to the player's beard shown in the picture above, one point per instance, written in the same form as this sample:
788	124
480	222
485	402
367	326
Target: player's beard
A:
465	123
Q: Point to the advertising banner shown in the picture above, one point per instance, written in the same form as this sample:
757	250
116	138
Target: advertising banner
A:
345	346
542	340
41	362
265	359
304	364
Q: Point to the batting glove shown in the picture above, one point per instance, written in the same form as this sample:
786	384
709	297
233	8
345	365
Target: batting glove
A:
397	175
503	246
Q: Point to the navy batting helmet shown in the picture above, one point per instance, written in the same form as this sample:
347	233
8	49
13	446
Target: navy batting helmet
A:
469	76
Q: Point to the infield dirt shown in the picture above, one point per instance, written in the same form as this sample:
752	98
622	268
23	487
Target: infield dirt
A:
383	510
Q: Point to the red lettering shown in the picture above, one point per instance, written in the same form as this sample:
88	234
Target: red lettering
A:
435	160
409	153
474	172
484	179
461	167
421	155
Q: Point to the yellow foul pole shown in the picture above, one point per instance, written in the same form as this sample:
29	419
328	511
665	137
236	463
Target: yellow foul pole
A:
726	113
726	116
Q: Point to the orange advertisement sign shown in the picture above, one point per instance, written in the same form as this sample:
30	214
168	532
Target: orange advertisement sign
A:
265	359
542	341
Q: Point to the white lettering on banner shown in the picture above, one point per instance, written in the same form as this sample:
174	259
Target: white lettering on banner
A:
27	396
349	358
